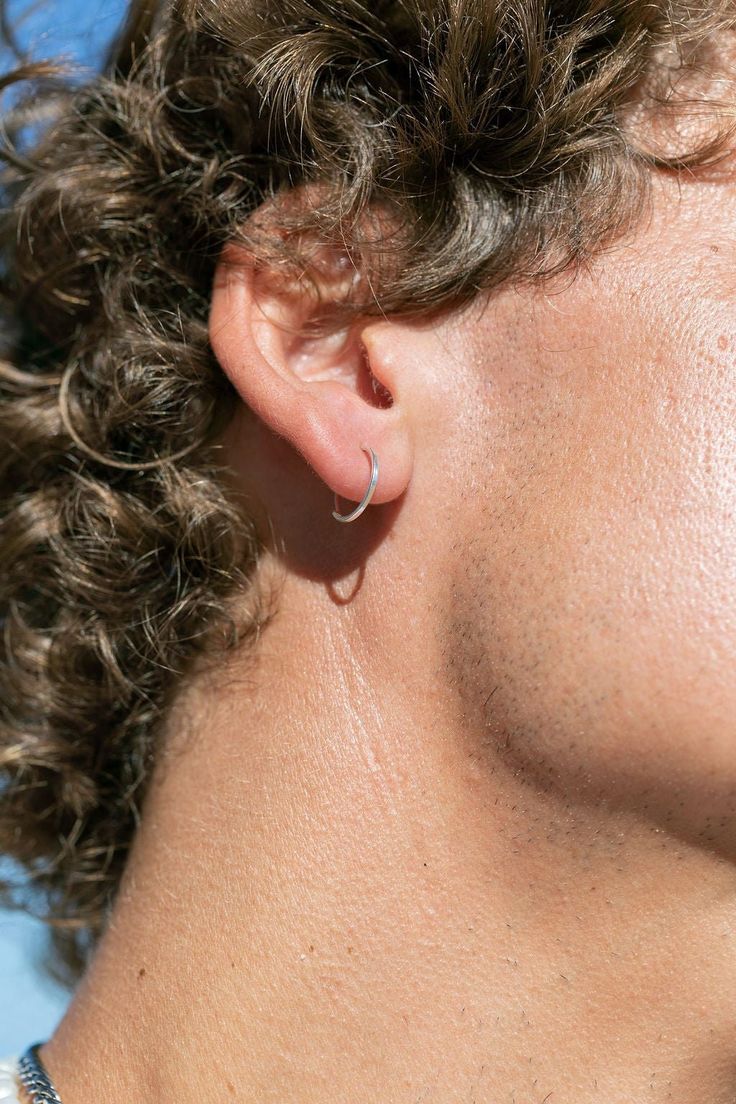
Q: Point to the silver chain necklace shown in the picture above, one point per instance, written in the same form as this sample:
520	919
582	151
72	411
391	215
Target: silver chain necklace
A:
34	1077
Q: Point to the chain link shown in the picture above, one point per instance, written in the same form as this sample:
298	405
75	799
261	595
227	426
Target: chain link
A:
34	1077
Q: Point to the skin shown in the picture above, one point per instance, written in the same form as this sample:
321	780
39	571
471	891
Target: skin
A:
460	827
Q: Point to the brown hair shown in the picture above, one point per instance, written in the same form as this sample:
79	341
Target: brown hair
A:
493	134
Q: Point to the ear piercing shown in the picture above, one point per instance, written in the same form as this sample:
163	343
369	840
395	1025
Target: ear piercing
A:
368	494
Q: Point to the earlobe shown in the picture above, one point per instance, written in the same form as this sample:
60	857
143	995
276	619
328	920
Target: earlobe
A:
311	387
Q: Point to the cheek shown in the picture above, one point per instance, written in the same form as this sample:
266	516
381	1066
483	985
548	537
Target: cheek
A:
641	558
600	606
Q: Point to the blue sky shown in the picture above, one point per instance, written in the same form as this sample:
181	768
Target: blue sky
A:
76	28
30	1005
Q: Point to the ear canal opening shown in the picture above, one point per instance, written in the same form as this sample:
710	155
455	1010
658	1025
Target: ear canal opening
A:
371	389
382	396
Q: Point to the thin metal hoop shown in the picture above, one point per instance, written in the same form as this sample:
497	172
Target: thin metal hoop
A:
368	494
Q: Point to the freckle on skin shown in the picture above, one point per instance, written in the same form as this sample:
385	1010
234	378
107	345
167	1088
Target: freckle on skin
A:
142	972
723	342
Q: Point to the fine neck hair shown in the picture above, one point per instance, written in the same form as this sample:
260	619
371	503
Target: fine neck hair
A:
339	893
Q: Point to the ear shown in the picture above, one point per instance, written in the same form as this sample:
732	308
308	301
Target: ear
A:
328	391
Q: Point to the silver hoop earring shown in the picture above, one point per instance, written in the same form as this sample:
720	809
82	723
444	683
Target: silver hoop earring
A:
368	494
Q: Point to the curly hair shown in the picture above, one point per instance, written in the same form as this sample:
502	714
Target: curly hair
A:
494	134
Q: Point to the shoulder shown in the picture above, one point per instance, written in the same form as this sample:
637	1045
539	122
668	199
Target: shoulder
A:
9	1081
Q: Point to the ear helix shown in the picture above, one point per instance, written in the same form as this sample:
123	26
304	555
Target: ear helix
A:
368	494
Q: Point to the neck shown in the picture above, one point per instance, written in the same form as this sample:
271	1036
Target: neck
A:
335	896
